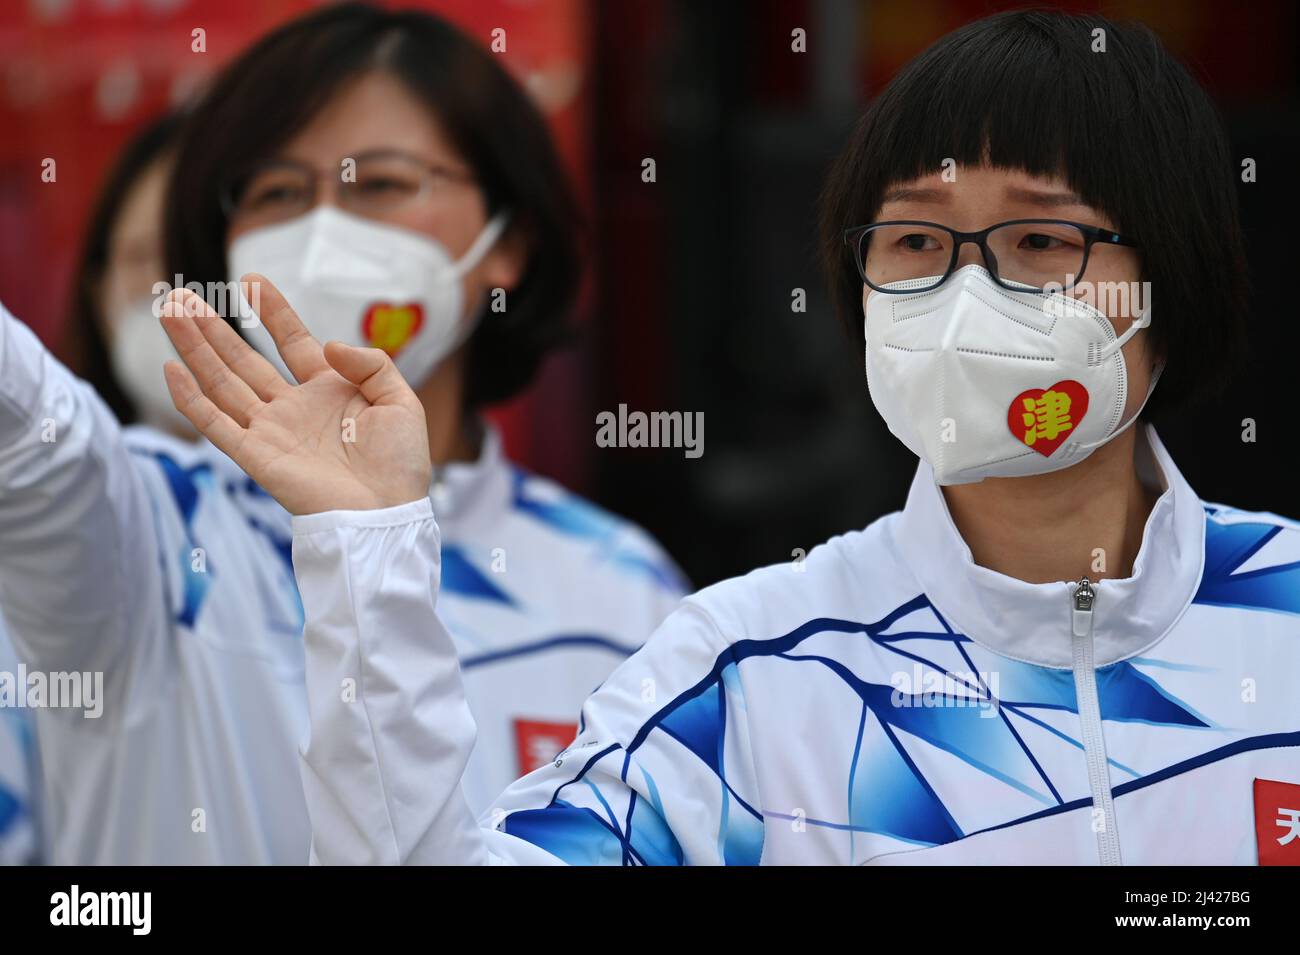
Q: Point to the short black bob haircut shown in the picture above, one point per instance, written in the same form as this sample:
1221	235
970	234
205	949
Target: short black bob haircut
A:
84	343
275	87
1128	129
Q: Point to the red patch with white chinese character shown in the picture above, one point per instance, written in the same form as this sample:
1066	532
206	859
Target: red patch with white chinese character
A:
1277	822
538	742
1045	418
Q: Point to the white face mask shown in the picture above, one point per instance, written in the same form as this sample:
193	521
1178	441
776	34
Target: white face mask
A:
137	349
980	381
365	283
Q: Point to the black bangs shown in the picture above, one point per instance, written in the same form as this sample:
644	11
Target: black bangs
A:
988	99
1018	91
1101	105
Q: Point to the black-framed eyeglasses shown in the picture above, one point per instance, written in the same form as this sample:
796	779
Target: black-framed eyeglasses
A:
1020	254
371	184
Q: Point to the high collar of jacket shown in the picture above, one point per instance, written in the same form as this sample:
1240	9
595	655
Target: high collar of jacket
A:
469	495
1032	622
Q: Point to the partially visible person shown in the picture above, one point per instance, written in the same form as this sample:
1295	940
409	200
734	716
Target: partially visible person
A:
112	337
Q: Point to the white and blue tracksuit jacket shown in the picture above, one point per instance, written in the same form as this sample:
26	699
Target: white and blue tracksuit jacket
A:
162	566
885	701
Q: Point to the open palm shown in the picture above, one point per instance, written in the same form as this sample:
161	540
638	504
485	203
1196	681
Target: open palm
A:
349	436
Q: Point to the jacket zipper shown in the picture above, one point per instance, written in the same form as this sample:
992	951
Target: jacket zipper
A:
1094	743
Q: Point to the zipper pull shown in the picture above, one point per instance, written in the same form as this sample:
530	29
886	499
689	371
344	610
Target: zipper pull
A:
1084	596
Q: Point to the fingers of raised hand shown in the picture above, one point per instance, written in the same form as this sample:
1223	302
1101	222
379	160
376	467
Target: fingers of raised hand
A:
210	421
301	352
241	357
372	371
188	322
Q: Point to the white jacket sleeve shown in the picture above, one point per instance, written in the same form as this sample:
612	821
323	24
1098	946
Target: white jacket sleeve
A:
368	581
79	569
391	731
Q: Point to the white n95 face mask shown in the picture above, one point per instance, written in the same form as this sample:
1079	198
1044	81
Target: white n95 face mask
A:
980	381
137	349
364	283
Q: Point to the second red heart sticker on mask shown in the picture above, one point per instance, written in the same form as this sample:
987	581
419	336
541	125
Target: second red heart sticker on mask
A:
389	326
1044	418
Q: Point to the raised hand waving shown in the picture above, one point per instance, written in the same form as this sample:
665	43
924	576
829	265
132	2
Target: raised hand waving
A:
350	435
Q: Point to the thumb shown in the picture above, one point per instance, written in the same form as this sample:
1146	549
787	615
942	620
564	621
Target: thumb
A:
372	371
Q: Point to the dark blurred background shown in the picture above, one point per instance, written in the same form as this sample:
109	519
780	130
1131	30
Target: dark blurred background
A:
693	275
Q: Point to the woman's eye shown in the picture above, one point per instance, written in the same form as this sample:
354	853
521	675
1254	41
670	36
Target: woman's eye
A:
918	242
272	195
380	187
1038	242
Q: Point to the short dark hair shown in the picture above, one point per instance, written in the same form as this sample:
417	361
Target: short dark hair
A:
275	87
1128	129
83	345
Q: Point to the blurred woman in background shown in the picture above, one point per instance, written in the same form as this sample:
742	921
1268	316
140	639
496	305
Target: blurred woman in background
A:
385	169
111	337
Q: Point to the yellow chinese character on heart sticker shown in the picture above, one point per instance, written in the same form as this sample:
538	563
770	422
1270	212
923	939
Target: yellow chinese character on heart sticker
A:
1042	419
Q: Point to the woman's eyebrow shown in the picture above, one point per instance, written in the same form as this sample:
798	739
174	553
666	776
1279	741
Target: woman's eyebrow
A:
1039	197
908	194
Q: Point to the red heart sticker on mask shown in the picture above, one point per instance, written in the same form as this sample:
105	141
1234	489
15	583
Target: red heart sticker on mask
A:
390	326
1044	418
